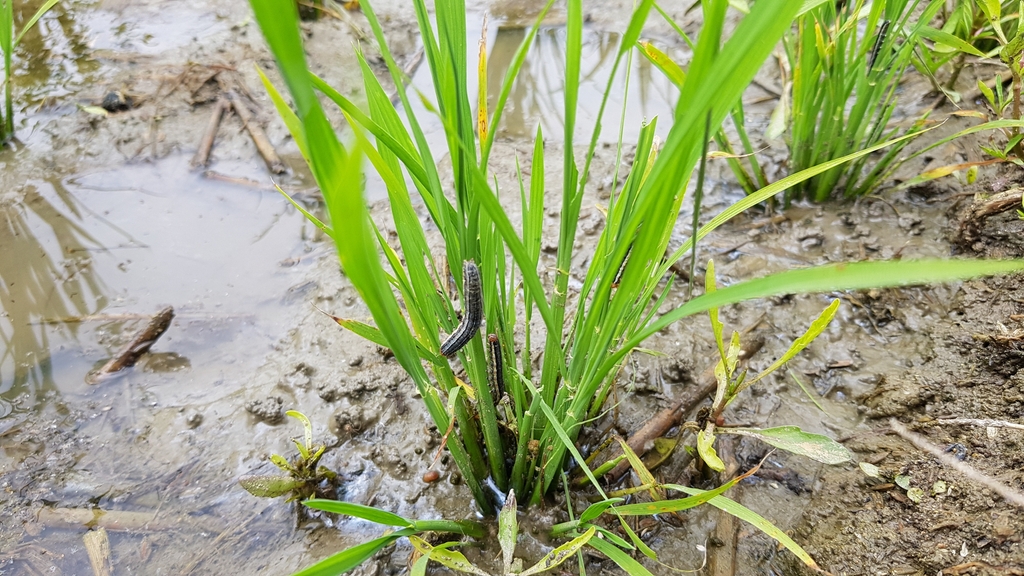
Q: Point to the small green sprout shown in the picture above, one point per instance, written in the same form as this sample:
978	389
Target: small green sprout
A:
731	382
305	479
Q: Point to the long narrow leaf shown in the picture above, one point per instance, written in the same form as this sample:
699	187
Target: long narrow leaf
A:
815	330
359	511
855	276
615	554
561	554
351	557
756	520
35	18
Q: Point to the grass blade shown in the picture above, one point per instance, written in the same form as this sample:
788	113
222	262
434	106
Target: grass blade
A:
35	18
351	557
855	276
758	521
615	554
815	330
359	511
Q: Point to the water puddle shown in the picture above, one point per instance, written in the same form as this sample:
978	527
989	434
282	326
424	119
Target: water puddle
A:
80	253
538	94
149	28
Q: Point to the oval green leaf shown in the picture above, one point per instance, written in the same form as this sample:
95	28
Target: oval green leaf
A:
792	439
706	449
269	486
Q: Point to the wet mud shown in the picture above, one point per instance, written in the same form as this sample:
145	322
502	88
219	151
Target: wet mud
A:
106	223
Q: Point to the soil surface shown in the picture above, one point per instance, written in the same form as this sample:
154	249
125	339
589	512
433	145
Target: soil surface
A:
107	223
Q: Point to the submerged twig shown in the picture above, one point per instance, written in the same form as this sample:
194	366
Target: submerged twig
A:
202	157
259	138
129	354
1012	496
660	423
981	422
113	520
312	193
97	545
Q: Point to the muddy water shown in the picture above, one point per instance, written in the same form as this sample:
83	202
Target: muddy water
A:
83	251
102	223
537	97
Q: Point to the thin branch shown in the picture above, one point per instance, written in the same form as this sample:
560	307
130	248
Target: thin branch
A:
981	422
1012	496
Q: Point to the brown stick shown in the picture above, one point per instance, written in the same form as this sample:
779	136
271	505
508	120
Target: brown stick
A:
120	520
239	181
202	157
97	545
724	558
259	138
136	347
997	204
1012	496
642	440
981	422
972	223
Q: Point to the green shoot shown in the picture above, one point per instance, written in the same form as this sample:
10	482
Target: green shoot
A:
611	315
304	477
8	43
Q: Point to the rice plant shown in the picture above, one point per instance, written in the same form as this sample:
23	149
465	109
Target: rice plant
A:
8	42
1003	29
984	30
511	429
847	59
969	28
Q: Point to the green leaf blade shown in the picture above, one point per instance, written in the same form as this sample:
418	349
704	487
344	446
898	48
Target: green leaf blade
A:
792	439
359	511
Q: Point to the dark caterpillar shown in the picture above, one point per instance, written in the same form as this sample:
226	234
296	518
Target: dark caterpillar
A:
879	41
496	372
472	311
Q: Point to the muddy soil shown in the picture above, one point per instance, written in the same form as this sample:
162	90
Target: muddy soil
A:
155	456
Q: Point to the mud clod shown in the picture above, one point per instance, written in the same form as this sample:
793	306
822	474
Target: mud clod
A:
301	378
328	392
349	420
269	410
193	419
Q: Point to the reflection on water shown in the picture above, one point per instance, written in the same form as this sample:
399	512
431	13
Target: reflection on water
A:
537	96
45	271
53	59
120	244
